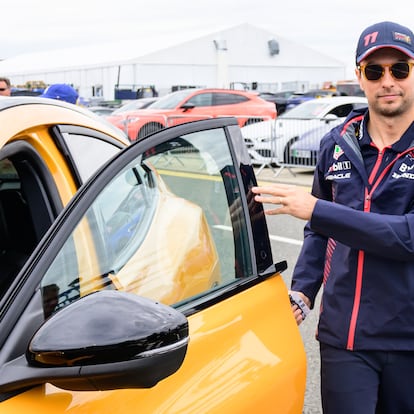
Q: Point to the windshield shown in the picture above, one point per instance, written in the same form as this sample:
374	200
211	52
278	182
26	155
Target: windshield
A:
171	100
136	104
307	110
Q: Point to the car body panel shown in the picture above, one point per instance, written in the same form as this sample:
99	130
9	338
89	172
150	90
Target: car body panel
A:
45	113
245	350
230	372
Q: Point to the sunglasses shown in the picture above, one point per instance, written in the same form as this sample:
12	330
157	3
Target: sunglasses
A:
399	70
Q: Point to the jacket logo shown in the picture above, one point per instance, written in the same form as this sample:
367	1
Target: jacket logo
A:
401	37
340	166
340	176
334	172
337	152
404	167
404	172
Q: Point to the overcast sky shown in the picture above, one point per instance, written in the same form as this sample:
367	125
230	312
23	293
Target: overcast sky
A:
327	26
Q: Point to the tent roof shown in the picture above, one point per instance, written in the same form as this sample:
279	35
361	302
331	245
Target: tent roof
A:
110	53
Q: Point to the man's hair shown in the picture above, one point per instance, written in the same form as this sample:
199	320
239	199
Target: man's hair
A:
6	81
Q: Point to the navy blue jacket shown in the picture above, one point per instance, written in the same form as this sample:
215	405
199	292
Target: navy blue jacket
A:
359	243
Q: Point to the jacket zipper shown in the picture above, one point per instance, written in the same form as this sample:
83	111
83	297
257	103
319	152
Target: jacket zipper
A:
361	253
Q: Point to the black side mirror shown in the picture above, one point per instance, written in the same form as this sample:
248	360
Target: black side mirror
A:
187	106
105	340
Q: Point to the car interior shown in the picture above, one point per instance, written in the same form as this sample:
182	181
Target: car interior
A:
29	202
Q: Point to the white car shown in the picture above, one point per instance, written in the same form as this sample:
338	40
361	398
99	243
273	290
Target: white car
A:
269	142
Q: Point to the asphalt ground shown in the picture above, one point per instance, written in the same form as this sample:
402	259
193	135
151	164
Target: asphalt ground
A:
296	176
312	404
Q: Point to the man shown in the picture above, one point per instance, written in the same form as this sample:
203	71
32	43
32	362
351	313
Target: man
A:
359	240
5	87
61	92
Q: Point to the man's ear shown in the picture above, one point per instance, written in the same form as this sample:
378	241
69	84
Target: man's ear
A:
359	76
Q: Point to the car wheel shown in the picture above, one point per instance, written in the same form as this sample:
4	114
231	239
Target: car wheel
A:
286	152
149	129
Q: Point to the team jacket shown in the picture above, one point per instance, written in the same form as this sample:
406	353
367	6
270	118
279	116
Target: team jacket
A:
359	243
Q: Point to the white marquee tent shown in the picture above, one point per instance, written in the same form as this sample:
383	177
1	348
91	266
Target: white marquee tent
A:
242	53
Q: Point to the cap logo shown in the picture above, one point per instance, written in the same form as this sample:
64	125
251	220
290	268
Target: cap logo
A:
402	37
370	38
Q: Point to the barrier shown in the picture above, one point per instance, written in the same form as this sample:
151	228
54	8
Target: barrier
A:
273	143
287	143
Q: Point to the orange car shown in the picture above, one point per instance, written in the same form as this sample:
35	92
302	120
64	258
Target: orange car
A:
191	105
151	289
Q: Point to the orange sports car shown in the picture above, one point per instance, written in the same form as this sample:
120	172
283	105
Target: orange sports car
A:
191	105
137	277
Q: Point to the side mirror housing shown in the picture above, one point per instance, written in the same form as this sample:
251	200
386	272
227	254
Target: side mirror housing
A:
105	340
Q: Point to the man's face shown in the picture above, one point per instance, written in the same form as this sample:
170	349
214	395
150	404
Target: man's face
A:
4	89
387	95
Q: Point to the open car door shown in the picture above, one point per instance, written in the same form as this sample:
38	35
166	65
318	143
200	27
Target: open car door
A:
155	289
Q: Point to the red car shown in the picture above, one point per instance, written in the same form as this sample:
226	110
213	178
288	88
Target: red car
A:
191	105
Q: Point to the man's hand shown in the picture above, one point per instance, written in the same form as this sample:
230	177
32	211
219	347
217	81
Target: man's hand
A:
298	313
292	200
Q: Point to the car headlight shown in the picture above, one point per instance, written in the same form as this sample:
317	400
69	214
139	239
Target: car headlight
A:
132	119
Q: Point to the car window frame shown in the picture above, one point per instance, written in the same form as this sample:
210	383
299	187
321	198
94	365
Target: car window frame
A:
61	135
26	284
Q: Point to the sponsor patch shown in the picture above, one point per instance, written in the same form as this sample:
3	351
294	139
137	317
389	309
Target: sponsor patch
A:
340	176
337	152
404	167
406	175
401	37
340	166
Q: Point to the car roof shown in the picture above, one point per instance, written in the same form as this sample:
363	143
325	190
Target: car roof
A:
340	99
236	91
35	111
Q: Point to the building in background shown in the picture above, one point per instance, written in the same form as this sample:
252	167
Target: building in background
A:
242	54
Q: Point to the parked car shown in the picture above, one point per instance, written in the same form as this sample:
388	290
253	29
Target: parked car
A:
146	282
194	104
280	99
134	104
300	97
305	151
269	142
101	110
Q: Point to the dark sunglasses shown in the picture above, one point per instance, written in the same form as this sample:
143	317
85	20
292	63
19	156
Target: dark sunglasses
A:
399	70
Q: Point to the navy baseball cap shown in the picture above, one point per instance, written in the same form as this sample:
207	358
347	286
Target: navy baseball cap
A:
385	34
61	92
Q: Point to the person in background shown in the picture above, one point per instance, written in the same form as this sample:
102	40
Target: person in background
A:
359	238
61	92
5	87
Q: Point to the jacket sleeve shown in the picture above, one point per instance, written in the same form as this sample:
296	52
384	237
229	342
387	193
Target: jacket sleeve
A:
308	272
385	235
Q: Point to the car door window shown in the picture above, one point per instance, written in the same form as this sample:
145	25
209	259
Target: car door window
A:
202	99
228	99
77	144
342	111
88	162
169	226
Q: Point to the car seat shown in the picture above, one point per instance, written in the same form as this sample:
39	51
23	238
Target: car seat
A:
17	236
